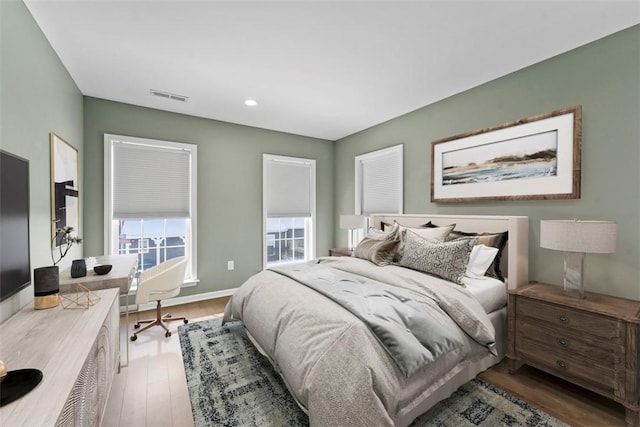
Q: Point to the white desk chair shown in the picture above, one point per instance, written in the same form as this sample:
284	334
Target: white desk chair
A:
157	283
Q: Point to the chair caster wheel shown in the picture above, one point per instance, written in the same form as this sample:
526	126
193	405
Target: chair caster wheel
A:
134	337
186	321
136	326
167	334
167	316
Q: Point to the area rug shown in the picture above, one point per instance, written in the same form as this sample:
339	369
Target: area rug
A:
232	384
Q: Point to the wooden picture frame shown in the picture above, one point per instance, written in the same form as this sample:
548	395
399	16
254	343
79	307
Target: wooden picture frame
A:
534	158
65	194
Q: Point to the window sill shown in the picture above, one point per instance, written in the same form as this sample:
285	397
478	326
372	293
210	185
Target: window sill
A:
190	283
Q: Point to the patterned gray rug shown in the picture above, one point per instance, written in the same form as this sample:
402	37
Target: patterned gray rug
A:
232	384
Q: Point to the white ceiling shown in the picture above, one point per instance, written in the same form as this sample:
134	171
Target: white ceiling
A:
325	69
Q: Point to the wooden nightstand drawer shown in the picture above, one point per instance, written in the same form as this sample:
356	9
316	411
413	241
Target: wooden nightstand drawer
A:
567	341
569	367
593	324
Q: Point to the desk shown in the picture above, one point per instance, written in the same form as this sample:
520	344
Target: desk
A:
120	276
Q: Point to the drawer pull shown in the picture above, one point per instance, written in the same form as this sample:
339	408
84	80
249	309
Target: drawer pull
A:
563	342
563	319
562	364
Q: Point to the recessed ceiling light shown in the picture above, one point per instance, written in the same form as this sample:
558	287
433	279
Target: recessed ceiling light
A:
250	102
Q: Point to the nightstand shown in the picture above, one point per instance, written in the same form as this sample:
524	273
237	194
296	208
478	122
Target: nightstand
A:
340	252
590	342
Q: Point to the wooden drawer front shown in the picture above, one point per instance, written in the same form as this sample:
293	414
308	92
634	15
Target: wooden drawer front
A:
567	342
571	368
592	324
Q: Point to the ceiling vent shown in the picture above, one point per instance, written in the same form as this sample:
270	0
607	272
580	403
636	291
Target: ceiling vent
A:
168	95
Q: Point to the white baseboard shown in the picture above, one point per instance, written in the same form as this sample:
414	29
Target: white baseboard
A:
178	300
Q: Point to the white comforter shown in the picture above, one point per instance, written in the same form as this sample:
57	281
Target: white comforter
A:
332	363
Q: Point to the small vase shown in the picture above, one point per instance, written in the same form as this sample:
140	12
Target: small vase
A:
78	268
46	286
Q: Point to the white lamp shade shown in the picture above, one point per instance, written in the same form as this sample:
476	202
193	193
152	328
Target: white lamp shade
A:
352	222
597	237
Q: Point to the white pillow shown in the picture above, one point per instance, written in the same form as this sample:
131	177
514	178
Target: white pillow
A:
431	233
480	260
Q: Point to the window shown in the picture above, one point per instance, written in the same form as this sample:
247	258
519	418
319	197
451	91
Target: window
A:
150	200
289	193
378	181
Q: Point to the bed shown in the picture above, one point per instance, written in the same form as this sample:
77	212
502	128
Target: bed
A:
348	362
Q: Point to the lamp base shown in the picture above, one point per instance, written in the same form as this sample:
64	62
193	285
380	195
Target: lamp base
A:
352	240
573	274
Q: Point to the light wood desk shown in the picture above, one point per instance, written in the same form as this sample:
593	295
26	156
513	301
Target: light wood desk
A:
121	276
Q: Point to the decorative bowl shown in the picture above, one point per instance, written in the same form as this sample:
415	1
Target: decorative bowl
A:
102	268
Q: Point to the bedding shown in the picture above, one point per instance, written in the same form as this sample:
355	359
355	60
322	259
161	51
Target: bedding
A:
331	361
413	335
490	292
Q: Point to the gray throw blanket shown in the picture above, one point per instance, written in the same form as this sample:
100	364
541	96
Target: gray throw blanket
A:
412	335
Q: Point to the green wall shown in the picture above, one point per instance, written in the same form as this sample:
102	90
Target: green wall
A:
37	97
604	77
229	183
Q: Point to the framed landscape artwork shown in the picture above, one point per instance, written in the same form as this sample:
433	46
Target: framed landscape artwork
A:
64	187
536	157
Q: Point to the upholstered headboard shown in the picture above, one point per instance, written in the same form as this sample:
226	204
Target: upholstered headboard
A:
515	259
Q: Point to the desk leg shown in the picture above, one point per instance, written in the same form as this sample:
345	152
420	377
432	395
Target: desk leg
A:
126	334
126	329
126	338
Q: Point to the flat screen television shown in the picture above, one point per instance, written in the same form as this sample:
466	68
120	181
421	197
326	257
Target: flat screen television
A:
15	265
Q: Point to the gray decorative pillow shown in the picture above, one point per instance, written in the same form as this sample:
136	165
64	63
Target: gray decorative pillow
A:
379	252
431	233
447	260
387	234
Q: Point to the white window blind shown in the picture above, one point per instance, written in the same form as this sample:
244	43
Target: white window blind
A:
150	181
379	175
288	187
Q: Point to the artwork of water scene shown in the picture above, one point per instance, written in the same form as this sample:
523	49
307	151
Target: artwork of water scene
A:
532	156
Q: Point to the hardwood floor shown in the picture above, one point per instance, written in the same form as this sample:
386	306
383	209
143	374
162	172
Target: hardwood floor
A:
152	390
567	402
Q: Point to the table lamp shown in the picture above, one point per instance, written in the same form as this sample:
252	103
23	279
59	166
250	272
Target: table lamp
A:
351	223
577	238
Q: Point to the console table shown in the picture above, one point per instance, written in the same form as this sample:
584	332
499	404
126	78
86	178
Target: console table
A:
121	276
77	350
